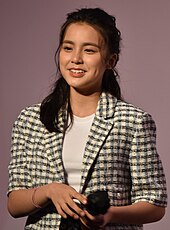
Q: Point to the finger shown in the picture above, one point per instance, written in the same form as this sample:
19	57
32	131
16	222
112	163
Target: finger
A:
60	211
84	223
89	216
64	210
69	211
95	221
80	197
76	207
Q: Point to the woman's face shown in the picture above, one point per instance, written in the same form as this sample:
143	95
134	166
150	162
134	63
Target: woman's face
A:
82	58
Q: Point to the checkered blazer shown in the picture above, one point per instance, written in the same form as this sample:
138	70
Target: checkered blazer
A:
120	156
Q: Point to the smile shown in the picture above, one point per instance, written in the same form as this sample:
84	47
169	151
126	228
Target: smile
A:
77	71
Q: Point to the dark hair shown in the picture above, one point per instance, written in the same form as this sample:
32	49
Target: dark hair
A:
59	98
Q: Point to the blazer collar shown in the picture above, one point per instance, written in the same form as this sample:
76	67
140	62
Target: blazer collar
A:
106	105
101	126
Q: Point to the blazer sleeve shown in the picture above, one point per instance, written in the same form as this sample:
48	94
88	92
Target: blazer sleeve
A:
147	174
19	176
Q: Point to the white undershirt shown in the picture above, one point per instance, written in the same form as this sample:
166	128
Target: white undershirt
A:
73	148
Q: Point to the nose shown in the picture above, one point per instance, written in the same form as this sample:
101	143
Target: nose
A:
77	57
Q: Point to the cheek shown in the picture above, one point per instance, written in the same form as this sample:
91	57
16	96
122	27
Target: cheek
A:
100	67
63	58
96	63
62	63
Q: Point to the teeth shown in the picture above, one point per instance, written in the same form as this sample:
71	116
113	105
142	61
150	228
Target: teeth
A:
77	71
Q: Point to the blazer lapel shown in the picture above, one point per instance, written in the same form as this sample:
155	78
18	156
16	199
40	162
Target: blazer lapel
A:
103	122
54	152
54	145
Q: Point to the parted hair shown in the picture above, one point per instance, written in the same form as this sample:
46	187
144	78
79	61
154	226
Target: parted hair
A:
59	98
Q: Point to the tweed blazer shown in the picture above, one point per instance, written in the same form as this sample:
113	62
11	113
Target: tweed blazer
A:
120	156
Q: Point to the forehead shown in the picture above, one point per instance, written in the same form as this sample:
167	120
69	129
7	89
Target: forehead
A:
83	32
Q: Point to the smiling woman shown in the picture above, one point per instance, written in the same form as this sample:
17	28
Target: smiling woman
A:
83	139
83	59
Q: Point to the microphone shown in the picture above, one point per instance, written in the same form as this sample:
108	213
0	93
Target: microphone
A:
97	202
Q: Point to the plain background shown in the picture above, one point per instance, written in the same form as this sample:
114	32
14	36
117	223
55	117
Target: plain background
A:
28	40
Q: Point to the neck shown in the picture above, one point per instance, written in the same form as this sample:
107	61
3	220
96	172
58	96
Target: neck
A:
83	105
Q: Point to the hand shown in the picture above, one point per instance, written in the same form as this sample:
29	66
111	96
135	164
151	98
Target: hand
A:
92	222
63	196
95	222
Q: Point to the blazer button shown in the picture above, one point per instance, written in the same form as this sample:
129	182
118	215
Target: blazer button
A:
118	195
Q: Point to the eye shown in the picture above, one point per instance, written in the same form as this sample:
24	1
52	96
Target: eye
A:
67	48
90	51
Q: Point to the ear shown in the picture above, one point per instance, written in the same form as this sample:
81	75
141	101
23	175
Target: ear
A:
112	61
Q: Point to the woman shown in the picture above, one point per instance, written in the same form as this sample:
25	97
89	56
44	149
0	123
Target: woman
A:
83	138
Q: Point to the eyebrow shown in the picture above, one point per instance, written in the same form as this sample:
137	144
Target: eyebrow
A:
84	43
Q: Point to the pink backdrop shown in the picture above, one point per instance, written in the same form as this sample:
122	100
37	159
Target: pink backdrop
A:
28	39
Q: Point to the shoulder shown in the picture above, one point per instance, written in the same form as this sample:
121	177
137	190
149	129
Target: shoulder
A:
111	107
129	109
31	112
133	114
29	116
